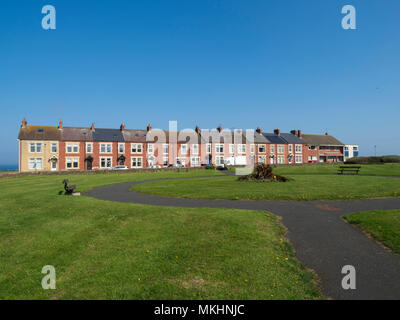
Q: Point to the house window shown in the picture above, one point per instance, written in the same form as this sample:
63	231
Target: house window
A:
195	162
72	163
121	147
219	148
298	148
165	161
355	148
281	159
195	149
165	148
208	148
272	148
32	147
241	148
261	148
290	148
261	159
299	159
219	160
54	147
72	148
136	148
105	148
35	163
38	147
252	148
150	148
136	162
105	162
281	149
311	147
183	148
89	147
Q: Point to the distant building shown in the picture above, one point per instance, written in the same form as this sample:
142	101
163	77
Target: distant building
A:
60	148
323	148
350	151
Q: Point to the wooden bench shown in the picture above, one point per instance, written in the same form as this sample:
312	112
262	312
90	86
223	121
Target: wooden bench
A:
68	189
355	169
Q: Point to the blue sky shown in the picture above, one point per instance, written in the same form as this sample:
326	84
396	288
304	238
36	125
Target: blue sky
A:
235	63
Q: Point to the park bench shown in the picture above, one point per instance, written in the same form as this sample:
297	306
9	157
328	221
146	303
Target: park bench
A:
343	169
69	189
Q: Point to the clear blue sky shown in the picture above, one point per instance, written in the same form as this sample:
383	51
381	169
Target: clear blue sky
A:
274	64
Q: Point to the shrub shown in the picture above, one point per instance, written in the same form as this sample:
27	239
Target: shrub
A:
263	172
381	159
209	167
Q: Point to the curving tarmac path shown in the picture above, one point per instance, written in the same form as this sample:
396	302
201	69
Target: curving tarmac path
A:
322	240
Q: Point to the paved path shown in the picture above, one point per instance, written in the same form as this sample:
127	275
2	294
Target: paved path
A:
322	240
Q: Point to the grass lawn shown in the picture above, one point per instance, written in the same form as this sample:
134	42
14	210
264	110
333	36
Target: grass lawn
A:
386	169
301	187
108	250
383	225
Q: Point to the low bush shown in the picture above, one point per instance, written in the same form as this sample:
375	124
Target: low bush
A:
380	159
263	172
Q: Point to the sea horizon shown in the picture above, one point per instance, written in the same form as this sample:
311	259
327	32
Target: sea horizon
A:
8	167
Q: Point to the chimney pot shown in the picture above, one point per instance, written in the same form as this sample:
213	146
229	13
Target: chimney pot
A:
258	130
326	133
219	128
122	126
92	127
60	124
277	132
24	123
197	129
294	132
299	133
148	127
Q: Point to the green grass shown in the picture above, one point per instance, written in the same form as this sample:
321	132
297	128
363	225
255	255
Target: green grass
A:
300	187
383	225
108	250
387	169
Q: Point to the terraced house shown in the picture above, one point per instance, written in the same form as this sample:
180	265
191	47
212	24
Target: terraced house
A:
59	148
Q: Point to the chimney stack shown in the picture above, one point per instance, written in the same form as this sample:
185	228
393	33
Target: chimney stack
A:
258	130
294	132
24	123
326	133
92	127
122	128
60	125
277	132
197	129
299	133
148	127
219	129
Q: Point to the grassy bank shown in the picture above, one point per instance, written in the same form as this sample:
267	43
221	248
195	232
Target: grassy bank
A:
108	250
383	225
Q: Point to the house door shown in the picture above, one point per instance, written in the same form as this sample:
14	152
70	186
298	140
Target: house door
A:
53	165
89	164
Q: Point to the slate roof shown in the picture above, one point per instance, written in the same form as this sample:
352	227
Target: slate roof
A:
321	140
76	134
291	138
260	138
274	138
39	133
108	135
134	135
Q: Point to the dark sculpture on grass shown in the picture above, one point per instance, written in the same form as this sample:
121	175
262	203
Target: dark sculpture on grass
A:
263	172
69	189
